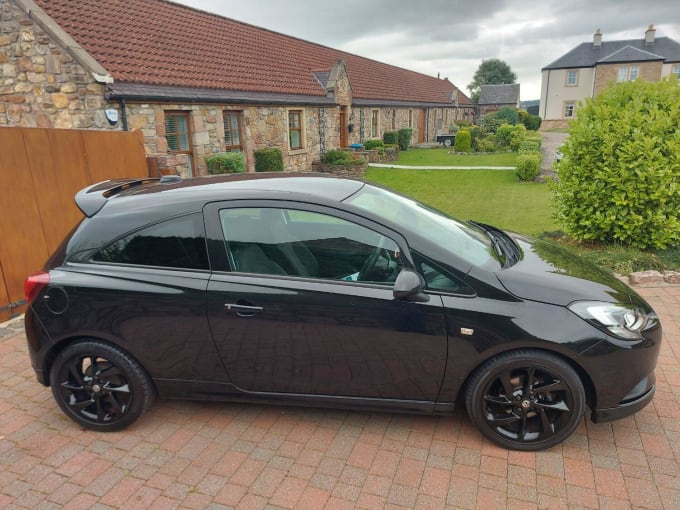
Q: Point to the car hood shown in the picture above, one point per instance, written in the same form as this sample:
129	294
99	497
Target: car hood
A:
550	274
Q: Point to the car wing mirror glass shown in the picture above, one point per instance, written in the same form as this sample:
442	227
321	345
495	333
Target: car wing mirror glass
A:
409	286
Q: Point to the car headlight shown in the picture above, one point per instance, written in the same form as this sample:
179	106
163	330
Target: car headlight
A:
623	321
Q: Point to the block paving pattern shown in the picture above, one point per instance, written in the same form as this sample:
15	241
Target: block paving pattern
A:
215	455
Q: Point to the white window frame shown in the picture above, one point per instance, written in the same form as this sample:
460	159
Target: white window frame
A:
568	107
628	73
675	69
568	81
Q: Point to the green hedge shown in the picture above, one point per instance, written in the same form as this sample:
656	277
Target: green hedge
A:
619	177
269	159
528	145
336	157
391	137
404	138
226	163
373	144
463	141
528	166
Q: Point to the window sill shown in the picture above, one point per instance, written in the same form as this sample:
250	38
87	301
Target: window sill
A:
295	152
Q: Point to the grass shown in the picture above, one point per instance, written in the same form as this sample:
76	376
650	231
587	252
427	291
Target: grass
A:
441	157
489	196
497	198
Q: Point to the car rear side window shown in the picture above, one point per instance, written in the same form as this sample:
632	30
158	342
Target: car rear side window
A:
178	243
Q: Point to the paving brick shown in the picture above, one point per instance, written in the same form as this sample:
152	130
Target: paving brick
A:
195	455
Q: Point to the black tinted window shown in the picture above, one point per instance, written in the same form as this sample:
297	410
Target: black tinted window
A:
307	244
178	242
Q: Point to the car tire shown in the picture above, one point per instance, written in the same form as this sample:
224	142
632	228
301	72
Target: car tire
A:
447	142
99	386
525	400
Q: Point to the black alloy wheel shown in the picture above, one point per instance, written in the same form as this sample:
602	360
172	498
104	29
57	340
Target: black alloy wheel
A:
99	386
526	400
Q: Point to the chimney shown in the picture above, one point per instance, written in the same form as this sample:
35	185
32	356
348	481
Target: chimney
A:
597	38
649	35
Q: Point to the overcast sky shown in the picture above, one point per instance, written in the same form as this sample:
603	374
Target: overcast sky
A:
452	37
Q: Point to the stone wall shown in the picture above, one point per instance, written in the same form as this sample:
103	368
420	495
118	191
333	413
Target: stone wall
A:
41	85
607	73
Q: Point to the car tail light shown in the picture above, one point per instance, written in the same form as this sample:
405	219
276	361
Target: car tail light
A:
34	284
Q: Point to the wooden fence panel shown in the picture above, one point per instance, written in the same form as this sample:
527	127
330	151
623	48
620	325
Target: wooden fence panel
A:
23	249
40	172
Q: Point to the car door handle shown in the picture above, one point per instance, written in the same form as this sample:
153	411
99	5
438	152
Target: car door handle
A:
242	310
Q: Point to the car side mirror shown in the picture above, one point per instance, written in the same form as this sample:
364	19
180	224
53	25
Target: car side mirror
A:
409	286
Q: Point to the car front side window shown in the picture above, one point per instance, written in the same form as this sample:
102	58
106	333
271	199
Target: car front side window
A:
291	242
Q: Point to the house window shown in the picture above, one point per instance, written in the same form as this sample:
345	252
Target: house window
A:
375	123
177	131
628	73
394	120
295	129
410	118
572	78
569	109
178	135
676	71
232	131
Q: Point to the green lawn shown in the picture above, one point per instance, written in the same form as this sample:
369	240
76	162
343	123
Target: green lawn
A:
489	196
441	157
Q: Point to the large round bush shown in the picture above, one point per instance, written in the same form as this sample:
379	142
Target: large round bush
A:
619	178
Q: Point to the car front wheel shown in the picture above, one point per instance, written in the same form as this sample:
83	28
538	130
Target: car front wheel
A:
525	400
99	386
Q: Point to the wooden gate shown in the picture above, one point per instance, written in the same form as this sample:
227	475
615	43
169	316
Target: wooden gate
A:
40	172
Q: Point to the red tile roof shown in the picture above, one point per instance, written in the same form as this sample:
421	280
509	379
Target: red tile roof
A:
157	42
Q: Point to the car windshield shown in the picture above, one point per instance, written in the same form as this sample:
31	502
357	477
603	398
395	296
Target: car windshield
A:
467	243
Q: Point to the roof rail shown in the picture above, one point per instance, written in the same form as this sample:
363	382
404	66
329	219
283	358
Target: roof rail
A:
91	199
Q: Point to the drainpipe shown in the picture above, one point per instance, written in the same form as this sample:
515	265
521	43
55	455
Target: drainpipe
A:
123	114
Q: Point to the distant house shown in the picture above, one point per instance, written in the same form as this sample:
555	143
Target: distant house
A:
587	69
494	97
197	83
531	106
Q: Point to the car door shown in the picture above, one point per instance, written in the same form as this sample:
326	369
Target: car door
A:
303	304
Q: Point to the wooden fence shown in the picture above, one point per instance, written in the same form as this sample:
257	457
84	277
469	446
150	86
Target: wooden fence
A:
40	172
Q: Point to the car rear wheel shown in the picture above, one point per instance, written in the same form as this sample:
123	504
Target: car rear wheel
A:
525	400
99	386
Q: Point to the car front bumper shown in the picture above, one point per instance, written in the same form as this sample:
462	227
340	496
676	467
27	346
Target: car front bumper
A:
639	397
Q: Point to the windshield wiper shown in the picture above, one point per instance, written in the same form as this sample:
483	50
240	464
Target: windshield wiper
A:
502	245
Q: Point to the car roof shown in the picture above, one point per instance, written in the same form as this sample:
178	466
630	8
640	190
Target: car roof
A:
91	200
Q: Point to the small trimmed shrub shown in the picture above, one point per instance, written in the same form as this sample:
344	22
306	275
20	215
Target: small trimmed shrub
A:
528	166
463	141
391	137
535	137
336	157
508	114
489	123
532	122
226	163
486	144
404	138
529	146
268	159
510	136
370	145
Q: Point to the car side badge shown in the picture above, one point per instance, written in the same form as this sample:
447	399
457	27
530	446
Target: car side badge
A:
467	331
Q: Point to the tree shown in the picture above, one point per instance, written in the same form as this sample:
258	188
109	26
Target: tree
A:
619	177
490	72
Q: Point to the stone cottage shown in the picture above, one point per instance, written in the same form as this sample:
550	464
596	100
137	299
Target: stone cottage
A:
197	83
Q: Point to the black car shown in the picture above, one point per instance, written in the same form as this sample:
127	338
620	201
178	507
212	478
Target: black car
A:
303	289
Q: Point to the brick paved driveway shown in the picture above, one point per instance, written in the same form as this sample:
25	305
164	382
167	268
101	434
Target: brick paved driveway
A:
196	455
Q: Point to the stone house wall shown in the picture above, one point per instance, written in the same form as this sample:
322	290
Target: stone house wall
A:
607	73
41	85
